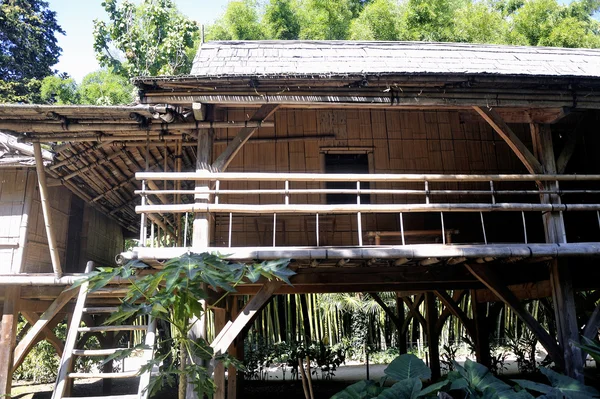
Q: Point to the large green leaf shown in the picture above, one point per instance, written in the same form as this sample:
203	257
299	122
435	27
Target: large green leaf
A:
434	388
361	390
479	377
407	366
405	389
590	347
569	386
534	386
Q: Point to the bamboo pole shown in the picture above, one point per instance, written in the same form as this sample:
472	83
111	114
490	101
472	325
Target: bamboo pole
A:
41	174
344	177
366	208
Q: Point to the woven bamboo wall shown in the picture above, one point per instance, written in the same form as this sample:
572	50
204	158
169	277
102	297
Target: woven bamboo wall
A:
101	237
12	201
399	141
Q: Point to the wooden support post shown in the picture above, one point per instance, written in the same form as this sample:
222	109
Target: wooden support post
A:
432	335
32	318
41	175
8	335
481	336
560	277
413	308
401	331
219	372
453	307
395	319
234	376
201	226
490	279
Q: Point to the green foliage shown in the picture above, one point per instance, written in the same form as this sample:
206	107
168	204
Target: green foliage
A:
281	20
521	22
590	347
152	38
28	48
174	295
561	386
240	22
97	88
377	21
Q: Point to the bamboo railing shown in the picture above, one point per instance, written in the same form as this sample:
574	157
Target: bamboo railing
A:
389	194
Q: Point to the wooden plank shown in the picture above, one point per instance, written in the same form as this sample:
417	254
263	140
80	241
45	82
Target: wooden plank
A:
489	278
226	337
28	341
8	331
219	372
223	160
520	150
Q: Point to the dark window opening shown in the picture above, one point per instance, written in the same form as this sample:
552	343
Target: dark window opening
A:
351	164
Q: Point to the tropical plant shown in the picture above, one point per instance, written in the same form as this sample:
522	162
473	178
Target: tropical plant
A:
560	386
175	295
408	370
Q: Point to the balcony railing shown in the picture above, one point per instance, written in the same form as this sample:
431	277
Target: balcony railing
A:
228	196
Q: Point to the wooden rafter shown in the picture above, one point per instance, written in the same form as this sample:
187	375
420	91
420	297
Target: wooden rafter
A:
520	150
489	278
242	137
46	333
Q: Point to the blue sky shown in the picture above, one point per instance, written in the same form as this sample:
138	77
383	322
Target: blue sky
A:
76	18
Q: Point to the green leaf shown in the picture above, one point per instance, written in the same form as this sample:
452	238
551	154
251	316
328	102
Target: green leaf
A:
433	388
358	391
533	386
407	366
569	386
405	389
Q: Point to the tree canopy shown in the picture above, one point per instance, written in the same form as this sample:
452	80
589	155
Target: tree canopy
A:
28	48
152	38
97	88
517	22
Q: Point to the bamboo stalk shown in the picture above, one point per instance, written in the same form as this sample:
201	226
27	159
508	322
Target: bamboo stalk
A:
41	174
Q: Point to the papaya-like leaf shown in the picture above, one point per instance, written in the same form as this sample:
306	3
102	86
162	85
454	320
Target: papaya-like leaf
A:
407	366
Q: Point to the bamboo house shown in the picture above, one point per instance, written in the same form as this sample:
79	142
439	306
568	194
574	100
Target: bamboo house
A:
436	171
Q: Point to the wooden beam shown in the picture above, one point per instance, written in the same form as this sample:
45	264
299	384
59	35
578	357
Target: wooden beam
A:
568	150
219	372
46	333
27	342
481	336
395	319
228	334
520	150
401	319
41	174
223	161
489	278
8	335
414	309
453	307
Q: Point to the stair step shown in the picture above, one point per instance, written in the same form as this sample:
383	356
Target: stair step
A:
111	309
96	352
128	374
110	292
104	397
112	328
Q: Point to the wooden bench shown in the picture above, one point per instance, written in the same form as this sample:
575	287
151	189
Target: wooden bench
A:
375	236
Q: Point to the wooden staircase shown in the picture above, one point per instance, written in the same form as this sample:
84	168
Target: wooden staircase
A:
66	376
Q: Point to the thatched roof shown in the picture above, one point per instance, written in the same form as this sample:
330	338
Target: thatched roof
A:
323	58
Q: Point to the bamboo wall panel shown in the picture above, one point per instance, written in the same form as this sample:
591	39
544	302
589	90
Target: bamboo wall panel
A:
12	197
101	240
37	259
400	141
